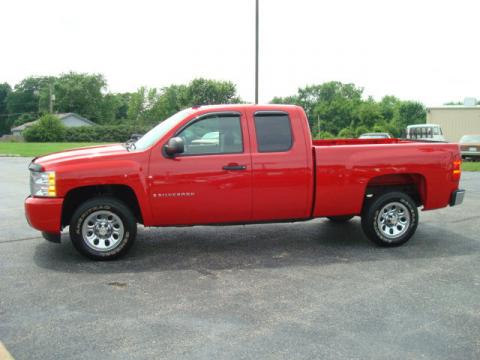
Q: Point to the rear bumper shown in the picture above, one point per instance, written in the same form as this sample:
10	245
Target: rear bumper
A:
457	197
44	214
470	153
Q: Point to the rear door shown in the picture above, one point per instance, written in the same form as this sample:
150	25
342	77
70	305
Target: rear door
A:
211	181
282	177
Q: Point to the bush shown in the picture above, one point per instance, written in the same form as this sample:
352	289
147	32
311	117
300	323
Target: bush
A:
48	129
324	135
347	133
102	133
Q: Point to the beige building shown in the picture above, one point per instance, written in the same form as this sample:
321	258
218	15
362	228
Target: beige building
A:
455	120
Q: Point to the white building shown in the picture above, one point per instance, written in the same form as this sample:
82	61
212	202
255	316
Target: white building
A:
67	119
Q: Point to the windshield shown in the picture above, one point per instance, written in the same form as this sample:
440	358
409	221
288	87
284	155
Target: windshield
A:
161	129
470	139
423	132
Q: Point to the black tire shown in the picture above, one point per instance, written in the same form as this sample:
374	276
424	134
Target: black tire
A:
383	235
340	219
103	206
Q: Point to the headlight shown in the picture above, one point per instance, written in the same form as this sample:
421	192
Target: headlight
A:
43	183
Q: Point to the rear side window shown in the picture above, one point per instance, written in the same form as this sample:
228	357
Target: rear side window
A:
274	133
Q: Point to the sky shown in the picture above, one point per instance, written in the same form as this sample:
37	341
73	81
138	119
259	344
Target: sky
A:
417	50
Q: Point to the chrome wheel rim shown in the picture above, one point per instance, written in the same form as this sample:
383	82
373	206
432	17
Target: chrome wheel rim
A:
393	220
103	230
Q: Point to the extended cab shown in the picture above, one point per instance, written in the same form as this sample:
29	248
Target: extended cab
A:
237	164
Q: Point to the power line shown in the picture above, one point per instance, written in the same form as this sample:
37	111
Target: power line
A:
22	113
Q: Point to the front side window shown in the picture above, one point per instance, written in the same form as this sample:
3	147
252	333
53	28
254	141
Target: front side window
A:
274	133
216	134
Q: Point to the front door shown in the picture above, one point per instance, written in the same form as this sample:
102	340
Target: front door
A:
211	181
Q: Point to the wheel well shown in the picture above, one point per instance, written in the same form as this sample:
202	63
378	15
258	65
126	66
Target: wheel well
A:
77	196
412	184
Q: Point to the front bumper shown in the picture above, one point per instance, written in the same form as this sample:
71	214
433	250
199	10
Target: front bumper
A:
44	214
457	197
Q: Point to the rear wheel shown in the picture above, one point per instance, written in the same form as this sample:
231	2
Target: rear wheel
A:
340	219
103	228
391	219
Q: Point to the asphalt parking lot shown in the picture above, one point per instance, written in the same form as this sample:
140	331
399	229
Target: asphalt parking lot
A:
284	291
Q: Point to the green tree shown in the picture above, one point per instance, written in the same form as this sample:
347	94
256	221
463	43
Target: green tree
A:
288	100
208	92
453	103
369	113
80	93
136	105
409	113
5	121
172	99
114	108
122	100
388	107
332	105
347	132
337	107
26	96
149	106
143	108
24	118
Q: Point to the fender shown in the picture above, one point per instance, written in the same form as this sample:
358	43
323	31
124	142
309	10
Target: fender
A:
111	171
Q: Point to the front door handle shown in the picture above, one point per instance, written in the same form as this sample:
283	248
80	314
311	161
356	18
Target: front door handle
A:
234	167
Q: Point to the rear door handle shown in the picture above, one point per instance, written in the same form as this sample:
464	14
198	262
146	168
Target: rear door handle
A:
234	167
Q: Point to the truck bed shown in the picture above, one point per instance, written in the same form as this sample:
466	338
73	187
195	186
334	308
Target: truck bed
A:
346	168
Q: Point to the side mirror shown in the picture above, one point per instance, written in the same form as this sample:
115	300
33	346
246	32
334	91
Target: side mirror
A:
135	137
174	146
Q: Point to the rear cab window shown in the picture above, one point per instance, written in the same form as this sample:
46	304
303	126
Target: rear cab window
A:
273	132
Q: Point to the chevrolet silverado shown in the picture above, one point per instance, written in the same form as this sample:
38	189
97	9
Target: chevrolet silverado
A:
237	164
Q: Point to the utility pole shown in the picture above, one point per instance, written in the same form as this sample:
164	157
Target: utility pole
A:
51	98
256	51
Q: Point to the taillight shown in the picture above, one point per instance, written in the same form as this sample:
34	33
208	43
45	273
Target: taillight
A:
456	170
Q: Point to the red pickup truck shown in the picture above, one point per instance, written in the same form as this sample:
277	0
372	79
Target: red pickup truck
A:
237	164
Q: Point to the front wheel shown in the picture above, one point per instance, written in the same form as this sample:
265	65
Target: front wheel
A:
391	219
103	228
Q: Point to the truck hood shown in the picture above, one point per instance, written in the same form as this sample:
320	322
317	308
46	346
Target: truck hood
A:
86	153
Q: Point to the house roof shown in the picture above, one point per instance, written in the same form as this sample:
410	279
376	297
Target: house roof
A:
60	116
23	126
